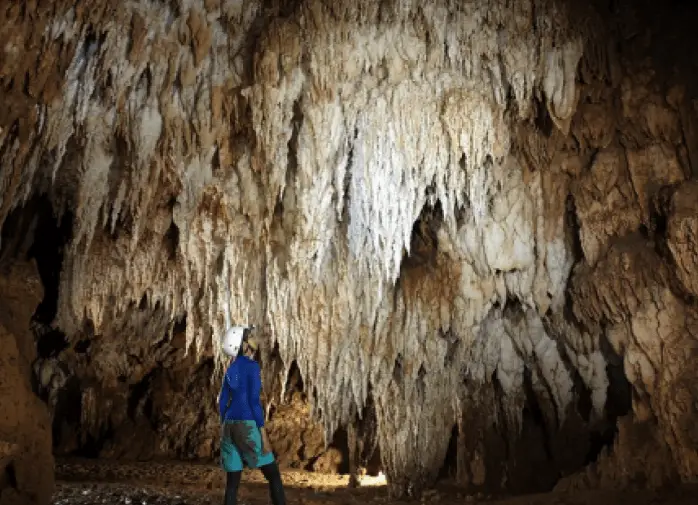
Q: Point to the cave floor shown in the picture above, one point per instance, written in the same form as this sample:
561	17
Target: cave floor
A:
90	482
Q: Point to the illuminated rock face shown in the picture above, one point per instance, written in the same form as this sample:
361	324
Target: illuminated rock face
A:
468	214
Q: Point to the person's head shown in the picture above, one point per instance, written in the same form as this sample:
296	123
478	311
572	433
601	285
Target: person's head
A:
237	342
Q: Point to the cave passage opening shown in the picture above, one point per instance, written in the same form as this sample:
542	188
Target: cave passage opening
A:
35	232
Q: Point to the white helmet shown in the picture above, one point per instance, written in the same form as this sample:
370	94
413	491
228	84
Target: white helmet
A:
232	340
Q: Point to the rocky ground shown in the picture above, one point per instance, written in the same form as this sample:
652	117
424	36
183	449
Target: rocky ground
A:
91	483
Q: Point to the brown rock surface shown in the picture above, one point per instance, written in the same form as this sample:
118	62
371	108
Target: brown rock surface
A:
26	460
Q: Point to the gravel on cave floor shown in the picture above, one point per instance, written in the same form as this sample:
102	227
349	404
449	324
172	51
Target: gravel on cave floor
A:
109	483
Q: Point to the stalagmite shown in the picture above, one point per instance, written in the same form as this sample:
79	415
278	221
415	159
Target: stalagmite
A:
272	162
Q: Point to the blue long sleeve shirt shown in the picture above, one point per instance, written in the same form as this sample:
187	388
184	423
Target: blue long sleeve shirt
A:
239	399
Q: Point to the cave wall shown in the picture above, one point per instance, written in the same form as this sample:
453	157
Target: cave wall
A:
26	459
168	412
468	214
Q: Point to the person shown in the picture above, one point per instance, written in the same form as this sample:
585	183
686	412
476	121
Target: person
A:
244	441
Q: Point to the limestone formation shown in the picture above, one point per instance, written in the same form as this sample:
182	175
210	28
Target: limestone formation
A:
475	217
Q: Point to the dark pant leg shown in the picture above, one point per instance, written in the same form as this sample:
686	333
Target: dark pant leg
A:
276	487
231	488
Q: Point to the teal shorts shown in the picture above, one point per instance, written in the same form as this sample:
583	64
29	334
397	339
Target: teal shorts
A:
241	446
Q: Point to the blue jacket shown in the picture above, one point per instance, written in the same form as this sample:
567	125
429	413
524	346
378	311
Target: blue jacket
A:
239	399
